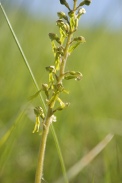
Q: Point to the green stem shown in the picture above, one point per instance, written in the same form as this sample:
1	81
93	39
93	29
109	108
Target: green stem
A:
40	164
75	4
64	59
39	171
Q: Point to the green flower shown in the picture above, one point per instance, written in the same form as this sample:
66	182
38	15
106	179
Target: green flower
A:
39	113
37	125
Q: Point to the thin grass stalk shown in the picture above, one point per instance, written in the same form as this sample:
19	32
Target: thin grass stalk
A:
22	53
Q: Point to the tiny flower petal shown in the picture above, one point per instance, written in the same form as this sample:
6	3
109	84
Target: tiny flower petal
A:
37	125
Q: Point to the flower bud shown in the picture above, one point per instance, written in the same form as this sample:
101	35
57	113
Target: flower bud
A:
59	87
73	75
53	36
59	22
64	2
39	112
62	106
62	15
44	86
79	76
64	26
81	39
50	68
60	50
71	14
87	2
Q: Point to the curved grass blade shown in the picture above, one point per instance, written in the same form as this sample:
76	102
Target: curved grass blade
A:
60	155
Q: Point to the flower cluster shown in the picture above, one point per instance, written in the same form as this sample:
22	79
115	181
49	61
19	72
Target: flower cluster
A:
62	46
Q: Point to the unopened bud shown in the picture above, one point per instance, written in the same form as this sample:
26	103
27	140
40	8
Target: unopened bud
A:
59	22
64	2
45	86
87	2
79	76
60	50
62	15
73	75
55	37
50	68
38	111
80	39
64	26
71	14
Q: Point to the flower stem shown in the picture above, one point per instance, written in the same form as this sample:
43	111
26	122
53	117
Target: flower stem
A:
40	164
75	2
64	59
39	171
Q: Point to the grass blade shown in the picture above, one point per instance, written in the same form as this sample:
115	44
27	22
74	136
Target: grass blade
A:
60	154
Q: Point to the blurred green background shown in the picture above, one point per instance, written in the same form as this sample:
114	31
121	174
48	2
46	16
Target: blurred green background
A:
95	110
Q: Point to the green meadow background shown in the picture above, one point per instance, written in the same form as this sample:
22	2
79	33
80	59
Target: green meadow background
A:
95	110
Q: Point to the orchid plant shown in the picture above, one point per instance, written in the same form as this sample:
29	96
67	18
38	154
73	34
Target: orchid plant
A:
63	44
